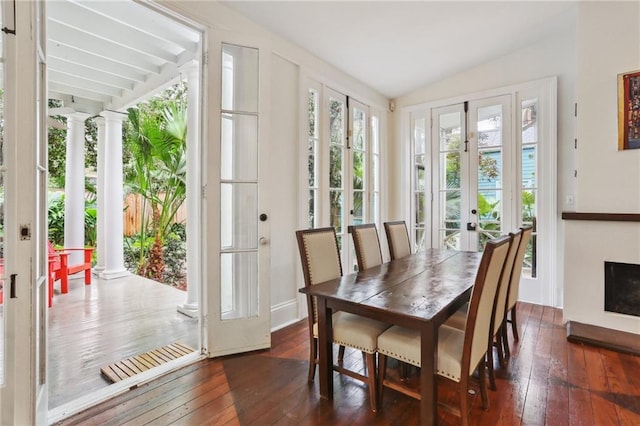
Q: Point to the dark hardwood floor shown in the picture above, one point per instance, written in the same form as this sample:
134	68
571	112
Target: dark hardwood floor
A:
548	381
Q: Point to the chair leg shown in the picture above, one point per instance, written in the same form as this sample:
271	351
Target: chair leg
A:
340	354
514	323
498	343
483	387
489	358
464	398
313	356
382	372
505	340
371	382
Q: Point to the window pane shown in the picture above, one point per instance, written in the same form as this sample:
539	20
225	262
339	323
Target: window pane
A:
358	170
489	168
420	173
490	126
420	239
528	207
239	78
239	216
312	108
529	121
419	136
239	151
311	162
450	131
336	121
336	209
239	285
335	173
420	209
375	171
312	209
529	161
450	239
451	171
375	135
359	129
358	212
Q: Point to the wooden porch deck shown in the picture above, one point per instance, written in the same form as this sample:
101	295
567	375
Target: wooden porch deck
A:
98	324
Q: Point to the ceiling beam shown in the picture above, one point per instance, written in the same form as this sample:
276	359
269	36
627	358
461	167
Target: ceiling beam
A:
81	71
62	34
79	93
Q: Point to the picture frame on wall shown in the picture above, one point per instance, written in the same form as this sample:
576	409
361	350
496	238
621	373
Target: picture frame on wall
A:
629	110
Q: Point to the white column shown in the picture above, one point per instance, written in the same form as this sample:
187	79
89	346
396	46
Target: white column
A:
192	76
113	198
74	187
101	232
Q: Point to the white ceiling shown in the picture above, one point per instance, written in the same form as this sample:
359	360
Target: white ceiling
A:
396	47
110	54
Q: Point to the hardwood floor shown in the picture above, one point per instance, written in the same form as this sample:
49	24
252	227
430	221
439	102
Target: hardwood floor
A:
107	321
548	381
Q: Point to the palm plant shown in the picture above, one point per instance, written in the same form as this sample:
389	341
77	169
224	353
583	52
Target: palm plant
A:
158	148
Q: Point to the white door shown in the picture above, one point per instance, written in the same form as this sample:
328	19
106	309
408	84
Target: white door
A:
237	213
473	167
23	393
352	169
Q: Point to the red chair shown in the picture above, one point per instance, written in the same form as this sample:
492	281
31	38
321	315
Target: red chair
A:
59	268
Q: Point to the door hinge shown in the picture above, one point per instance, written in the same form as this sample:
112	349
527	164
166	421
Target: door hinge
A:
575	109
205	57
575	143
203	191
12	290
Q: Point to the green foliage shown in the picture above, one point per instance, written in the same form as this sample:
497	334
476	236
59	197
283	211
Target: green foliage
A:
55	218
156	138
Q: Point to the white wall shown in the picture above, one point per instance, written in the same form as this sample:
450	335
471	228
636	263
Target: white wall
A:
608	43
288	62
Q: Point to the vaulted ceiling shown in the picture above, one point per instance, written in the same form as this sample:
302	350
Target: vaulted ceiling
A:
110	54
399	46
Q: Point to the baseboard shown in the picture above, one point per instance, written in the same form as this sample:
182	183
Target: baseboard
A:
284	314
607	338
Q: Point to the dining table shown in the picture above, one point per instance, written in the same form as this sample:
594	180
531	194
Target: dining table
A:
420	291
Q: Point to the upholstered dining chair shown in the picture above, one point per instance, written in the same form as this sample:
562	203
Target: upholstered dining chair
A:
514	289
320	259
460	352
398	239
366	244
458	319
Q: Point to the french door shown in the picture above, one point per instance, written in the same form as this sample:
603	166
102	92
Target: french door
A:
23	276
238	317
352	169
473	170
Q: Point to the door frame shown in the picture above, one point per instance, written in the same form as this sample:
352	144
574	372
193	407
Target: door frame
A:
546	287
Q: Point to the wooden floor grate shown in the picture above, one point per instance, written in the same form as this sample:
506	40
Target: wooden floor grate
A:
137	364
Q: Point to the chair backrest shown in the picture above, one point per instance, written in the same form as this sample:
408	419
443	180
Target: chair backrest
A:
367	245
482	301
320	259
503	289
398	239
516	272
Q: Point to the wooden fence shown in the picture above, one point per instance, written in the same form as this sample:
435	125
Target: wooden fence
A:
133	214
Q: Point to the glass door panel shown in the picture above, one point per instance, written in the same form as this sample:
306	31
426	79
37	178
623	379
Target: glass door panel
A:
471	146
238	183
337	156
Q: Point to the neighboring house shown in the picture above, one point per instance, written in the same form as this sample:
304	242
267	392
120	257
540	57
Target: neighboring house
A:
591	172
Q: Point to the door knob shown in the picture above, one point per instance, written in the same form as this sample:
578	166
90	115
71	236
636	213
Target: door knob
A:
263	217
471	226
263	241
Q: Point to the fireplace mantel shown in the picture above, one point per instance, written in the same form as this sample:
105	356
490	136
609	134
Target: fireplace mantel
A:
603	217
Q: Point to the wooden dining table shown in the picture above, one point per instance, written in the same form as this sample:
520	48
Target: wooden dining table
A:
419	291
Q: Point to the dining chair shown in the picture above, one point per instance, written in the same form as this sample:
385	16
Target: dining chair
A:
514	288
458	319
366	244
398	239
320	259
460	352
